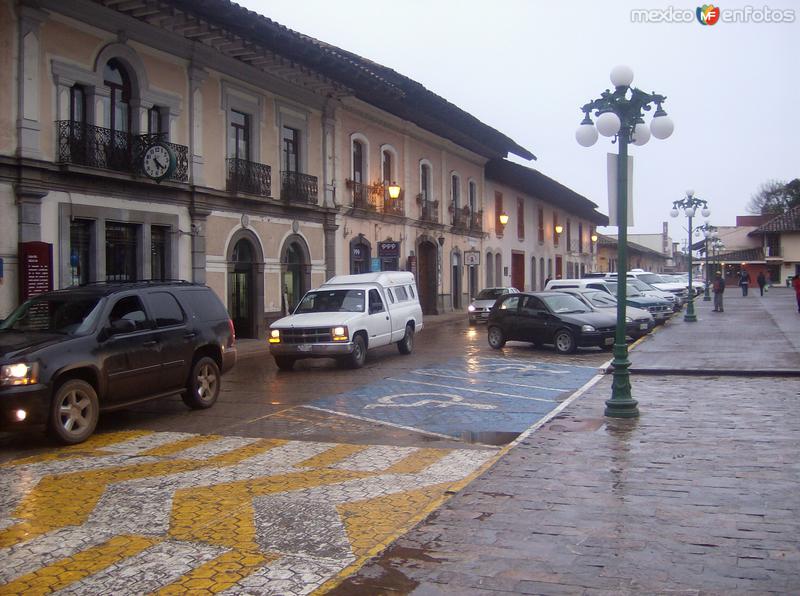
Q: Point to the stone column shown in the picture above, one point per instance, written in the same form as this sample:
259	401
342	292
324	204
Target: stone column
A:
196	78
28	92
198	230
329	153
329	228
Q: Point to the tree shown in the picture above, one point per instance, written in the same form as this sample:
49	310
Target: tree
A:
775	197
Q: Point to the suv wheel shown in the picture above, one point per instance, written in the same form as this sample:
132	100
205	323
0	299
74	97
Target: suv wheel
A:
74	412
496	338
564	342
284	362
202	389
406	344
359	354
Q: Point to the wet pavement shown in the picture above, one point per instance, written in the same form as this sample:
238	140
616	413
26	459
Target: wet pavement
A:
699	495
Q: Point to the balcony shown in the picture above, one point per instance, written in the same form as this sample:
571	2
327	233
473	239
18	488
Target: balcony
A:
476	222
428	209
97	147
249	177
374	197
772	251
299	188
459	217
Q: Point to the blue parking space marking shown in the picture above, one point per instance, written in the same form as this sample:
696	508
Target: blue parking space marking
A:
473	394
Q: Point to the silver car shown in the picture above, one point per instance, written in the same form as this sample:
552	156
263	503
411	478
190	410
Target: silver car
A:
479	308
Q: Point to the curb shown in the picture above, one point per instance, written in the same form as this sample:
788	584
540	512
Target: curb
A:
781	372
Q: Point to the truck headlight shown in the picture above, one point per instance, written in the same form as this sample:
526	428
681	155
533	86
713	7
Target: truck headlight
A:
275	336
22	373
340	334
588	328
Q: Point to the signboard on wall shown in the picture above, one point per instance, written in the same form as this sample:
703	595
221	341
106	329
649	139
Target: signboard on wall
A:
376	264
472	257
35	269
389	249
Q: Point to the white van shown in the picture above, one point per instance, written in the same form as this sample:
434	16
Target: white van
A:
348	315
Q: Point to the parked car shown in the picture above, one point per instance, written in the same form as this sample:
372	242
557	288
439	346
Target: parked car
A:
478	309
660	309
67	355
549	318
653	284
347	316
639	322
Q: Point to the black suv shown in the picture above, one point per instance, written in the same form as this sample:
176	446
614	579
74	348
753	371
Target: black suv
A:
69	354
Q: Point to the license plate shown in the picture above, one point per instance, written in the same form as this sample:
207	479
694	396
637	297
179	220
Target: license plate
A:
304	348
643	326
609	341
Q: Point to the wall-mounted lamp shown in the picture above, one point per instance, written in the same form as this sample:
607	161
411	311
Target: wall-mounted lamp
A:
594	237
503	218
559	228
441	240
394	190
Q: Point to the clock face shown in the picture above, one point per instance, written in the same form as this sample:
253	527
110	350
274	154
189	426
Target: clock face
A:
156	162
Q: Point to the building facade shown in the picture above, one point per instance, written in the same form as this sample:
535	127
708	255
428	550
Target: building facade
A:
200	141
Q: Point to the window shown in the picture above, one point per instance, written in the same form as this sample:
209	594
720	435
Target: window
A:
520	218
77	104
158	253
498	209
358	162
541	225
489	269
375	302
473	196
498	269
532	305
425	181
580	238
388	172
291	149
121	252
411	291
80	249
401	293
118	82
455	191
555	223
391	295
511	303
166	310
154	120
129	308
239	135
569	235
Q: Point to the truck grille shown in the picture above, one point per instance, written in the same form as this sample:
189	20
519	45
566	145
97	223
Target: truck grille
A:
310	335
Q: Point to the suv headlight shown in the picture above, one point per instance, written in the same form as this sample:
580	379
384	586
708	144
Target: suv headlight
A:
471	308
275	336
588	328
628	319
22	373
340	333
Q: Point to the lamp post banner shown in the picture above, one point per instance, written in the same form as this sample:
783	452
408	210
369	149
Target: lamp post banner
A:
611	171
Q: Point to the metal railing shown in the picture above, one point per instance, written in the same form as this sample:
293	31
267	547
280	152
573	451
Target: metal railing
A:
298	188
374	197
249	176
97	147
476	221
460	217
428	209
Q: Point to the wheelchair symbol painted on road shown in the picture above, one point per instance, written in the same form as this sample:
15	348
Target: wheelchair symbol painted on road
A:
436	400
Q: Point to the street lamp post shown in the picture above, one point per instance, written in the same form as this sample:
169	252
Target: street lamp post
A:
619	115
689	206
709	233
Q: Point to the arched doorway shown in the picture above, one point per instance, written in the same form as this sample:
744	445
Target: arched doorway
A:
295	271
426	276
241	290
360	255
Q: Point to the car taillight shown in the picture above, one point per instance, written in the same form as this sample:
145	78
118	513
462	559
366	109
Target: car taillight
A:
233	333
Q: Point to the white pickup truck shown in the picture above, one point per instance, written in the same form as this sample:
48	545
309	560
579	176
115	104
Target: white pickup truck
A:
347	316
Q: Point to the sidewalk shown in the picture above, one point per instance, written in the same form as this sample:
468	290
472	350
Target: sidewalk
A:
701	494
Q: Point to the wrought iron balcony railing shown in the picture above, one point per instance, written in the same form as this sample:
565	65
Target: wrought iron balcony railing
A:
375	197
460	217
88	145
298	188
249	176
428	209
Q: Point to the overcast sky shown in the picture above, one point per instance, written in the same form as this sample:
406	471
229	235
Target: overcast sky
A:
526	66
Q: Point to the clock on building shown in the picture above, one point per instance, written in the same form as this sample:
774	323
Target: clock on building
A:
158	161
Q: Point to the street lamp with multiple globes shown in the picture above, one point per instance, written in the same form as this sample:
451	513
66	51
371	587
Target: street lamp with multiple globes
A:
709	233
619	114
689	206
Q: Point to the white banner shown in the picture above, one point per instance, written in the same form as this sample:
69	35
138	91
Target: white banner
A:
611	170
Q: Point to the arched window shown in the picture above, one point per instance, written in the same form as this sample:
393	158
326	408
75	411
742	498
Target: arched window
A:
473	196
389	164
425	181
498	269
489	269
359	174
119	84
533	274
541	272
455	191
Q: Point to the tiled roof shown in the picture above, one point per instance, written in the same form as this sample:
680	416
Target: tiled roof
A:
536	184
370	82
786	222
745	255
604	240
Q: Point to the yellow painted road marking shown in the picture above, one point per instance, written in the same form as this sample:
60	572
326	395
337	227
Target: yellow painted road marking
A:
180	445
218	574
415	462
332	456
78	566
68	499
93	446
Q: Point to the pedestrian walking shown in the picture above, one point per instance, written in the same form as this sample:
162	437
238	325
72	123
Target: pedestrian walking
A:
719	289
744	281
762	282
796	286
